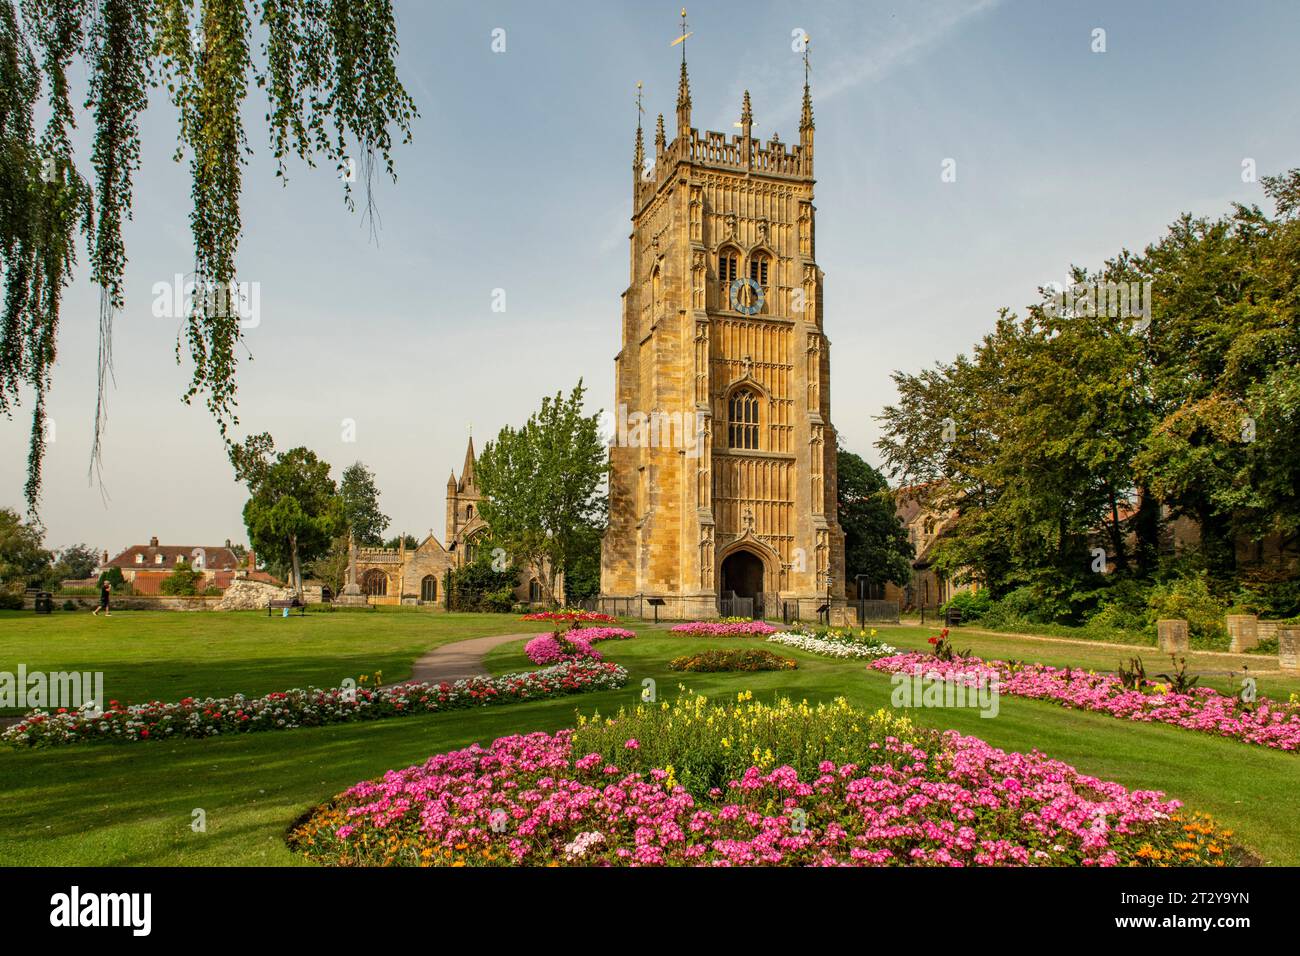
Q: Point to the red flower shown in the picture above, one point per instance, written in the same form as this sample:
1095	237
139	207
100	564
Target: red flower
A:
934	640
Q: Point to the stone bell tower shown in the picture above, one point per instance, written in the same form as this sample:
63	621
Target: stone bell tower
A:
722	472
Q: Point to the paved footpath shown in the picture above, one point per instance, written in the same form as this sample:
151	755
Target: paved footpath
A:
459	660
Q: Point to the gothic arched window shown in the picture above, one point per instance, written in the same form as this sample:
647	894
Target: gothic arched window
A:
742	419
469	512
374	582
534	592
429	589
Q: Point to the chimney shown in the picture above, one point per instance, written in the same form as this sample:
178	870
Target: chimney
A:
105	561
153	542
252	561
227	544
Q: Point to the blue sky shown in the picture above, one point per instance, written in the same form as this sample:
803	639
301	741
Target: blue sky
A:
518	178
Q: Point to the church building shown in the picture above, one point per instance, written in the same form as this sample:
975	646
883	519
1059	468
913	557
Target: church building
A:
722	334
418	575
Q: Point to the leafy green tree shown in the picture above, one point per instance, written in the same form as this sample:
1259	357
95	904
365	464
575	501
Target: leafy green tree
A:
23	562
482	586
331	568
294	510
542	486
361	511
328	70
1075	428
875	542
582	573
76	561
397	541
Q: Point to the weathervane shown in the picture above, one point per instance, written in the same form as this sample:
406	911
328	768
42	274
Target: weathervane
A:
682	39
639	110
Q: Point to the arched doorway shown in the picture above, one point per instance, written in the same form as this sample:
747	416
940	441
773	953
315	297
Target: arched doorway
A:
742	573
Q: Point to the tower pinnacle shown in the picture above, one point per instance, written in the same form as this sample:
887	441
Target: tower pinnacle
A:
683	87
638	157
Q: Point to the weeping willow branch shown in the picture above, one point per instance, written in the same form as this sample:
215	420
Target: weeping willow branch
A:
119	92
328	70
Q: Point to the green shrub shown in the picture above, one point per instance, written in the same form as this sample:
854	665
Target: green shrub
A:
184	581
973	605
478	587
11	597
1125	606
1188	597
1268	599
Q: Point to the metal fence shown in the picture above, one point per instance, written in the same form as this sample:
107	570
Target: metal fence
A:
823	612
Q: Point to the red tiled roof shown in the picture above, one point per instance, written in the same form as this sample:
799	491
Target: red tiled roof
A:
218	558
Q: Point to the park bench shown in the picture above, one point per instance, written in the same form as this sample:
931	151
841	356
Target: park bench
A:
286	603
951	617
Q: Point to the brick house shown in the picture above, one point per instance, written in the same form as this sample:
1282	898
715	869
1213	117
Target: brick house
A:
146	566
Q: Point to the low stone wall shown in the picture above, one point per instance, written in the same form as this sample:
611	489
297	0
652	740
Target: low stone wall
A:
132	602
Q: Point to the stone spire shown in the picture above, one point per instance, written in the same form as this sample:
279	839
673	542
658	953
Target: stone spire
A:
467	472
661	141
638	156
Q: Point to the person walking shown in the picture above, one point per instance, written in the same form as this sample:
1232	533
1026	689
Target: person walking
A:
104	590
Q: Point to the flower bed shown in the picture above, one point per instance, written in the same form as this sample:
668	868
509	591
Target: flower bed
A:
1265	722
833	644
751	784
725	629
311	707
569	616
571	645
740	659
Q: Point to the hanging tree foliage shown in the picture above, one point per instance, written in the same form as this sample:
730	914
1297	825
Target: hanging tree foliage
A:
328	71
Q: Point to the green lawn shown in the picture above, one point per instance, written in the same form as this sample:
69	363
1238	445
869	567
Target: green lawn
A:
132	804
167	655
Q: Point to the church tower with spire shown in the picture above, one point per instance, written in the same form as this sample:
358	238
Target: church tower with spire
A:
722	468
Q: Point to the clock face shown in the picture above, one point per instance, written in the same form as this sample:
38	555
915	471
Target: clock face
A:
746	296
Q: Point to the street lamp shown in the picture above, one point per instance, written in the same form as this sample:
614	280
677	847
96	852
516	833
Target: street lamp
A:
830	581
